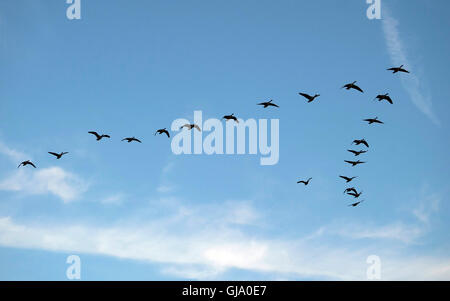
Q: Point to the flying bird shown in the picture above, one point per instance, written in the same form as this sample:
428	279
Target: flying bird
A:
304	182
191	126
131	139
58	156
355	194
373	120
360	141
99	137
309	97
230	117
352	86
347	179
386	97
354	163
25	163
267	104
163	131
350	190
398	69
356	204
357	153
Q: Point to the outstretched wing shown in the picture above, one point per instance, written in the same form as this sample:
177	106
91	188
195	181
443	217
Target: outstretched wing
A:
137	140
389	100
197	127
31	163
54	154
358	88
95	134
305	95
365	143
167	133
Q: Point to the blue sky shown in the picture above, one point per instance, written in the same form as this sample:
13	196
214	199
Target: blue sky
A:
139	212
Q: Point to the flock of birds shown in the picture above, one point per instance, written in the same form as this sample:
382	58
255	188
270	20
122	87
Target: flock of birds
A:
352	191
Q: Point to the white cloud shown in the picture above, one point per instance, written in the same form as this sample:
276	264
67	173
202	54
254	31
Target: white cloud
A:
115	199
192	243
410	82
12	154
53	180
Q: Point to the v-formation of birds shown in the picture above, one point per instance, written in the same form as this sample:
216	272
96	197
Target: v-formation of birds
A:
310	98
352	191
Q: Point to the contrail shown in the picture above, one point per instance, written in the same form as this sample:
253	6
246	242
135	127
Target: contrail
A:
411	83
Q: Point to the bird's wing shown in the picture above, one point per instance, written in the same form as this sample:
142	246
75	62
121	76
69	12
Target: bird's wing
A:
20	165
365	143
301	182
31	163
106	136
305	95
197	127
167	133
54	154
124	139
65	153
94	133
358	88
135	139
274	105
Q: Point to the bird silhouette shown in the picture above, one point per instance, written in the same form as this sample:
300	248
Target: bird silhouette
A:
353	86
99	137
163	131
309	97
354	163
398	69
191	126
58	156
356	204
267	104
350	189
357	153
230	117
347	179
355	194
373	120
304	182
131	139
386	97
360	141
25	163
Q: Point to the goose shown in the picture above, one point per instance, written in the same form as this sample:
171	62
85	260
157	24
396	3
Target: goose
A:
353	86
58	156
25	163
99	137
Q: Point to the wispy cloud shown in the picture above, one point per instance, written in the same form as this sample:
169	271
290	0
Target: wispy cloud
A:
194	244
411	83
12	154
53	180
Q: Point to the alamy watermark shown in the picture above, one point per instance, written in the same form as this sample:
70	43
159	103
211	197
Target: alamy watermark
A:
374	270
219	142
73	272
74	9
374	10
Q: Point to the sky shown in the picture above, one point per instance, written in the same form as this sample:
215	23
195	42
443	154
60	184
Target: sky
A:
135	211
